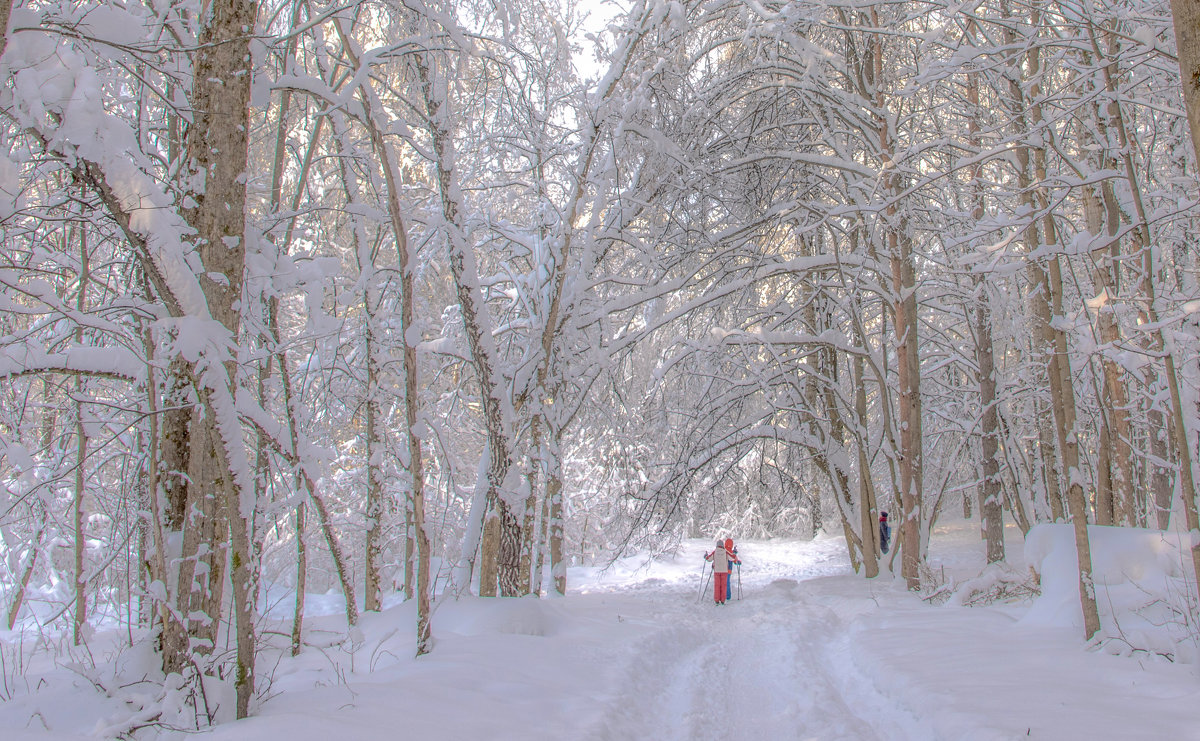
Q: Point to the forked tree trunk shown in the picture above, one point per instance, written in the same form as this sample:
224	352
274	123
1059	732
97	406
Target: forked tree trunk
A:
497	413
868	508
905	326
1115	494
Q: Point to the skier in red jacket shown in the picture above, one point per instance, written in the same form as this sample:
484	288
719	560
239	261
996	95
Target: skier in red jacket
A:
722	557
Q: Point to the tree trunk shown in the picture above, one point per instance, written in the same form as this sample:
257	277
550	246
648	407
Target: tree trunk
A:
6	7
1190	36
868	508
1048	451
497	411
1161	483
18	598
991	507
529	540
217	143
554	486
1046	304
544	539
1187	45
1116	476
488	564
905	326
81	446
301	580
374	450
272	321
416	465
529	535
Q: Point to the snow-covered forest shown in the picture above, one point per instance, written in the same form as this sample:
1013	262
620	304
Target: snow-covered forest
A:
393	300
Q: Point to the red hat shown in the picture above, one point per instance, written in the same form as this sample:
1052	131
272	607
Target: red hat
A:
729	542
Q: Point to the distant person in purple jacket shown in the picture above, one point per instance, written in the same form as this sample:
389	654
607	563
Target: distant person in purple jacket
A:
885	531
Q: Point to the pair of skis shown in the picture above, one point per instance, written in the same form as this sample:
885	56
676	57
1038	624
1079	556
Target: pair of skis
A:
708	579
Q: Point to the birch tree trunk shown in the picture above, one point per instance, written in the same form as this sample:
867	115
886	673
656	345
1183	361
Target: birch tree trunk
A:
374	448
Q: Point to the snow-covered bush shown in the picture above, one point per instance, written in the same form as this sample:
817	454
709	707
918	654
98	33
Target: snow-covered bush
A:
998	582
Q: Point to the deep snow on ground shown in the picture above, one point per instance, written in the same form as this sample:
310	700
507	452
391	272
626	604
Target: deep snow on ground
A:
810	651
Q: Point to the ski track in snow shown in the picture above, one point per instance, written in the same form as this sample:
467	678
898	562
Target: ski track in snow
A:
810	653
775	664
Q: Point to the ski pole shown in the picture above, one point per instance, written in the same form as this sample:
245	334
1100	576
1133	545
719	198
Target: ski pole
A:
704	585
739	565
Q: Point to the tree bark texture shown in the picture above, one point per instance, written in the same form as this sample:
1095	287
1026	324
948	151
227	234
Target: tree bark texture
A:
1186	15
217	145
991	507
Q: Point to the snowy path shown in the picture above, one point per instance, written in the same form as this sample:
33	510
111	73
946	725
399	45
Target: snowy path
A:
773	665
773	672
812	652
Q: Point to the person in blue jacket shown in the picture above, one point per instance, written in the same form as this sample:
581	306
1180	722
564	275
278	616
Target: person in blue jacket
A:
885	531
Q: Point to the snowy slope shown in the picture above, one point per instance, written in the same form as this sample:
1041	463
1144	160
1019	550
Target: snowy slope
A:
811	651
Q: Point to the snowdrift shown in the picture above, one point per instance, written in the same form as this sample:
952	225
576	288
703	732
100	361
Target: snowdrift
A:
1144	588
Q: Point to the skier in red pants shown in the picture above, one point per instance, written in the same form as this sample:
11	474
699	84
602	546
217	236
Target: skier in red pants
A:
720	562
